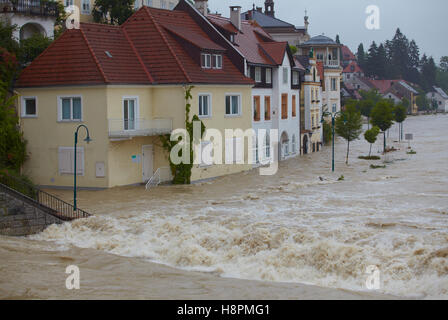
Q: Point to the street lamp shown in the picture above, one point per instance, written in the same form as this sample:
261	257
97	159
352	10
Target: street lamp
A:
87	139
333	116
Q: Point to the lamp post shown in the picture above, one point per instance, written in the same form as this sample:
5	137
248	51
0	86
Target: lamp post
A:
87	139
333	120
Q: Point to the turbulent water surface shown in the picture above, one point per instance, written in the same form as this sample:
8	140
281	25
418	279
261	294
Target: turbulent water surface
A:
299	226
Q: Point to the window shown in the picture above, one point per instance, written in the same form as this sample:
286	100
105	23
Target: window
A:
204	105
148	3
257	74
267	108
267	146
70	109
295	78
348	76
68	3
294	105
29	107
232	38
137	4
129	113
217	61
248	72
284	106
285	75
85	7
333	84
163	4
257	108
294	144
171	5
232	105
206	60
67	162
268	75
334	107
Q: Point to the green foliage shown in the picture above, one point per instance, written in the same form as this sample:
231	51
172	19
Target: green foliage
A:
372	95
341	178
400	113
32	47
369	157
349	125
182	172
6	38
371	135
293	49
372	166
18	182
12	143
113	12
382	115
327	132
423	102
411	152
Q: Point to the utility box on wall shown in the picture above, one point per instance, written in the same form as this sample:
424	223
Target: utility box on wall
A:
100	169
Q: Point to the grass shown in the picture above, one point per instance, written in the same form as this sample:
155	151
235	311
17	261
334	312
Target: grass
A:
372	166
411	152
369	158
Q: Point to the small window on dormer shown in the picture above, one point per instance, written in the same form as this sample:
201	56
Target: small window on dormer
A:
206	60
257	74
268	75
217	61
295	78
232	38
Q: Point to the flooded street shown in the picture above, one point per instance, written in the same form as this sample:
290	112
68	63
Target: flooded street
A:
302	226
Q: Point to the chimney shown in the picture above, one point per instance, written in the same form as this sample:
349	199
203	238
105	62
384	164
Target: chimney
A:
235	16
202	6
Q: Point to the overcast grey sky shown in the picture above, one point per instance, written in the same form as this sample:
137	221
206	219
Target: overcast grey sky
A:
426	21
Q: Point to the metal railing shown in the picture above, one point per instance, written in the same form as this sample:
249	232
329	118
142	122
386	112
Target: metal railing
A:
31	7
43	200
161	175
332	63
126	128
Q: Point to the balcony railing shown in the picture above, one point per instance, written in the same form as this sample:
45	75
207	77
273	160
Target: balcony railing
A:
332	63
127	128
30	7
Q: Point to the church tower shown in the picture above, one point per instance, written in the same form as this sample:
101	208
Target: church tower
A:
269	8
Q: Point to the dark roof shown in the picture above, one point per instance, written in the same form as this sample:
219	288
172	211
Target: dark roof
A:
320	40
149	48
266	21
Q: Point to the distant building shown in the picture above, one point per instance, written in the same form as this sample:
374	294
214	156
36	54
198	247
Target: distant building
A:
347	56
327	54
31	17
161	4
440	97
278	29
352	71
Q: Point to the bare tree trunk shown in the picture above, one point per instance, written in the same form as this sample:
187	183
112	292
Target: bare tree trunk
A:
348	150
370	151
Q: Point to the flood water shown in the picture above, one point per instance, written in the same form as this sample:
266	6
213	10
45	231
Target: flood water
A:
299	226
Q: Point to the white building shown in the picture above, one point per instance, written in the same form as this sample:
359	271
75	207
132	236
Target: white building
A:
440	97
327	53
30	16
161	4
276	94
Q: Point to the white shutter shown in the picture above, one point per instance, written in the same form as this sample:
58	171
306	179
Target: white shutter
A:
229	151
66	160
239	150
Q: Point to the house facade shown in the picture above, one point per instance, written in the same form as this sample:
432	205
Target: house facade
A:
438	96
327	53
127	85
276	94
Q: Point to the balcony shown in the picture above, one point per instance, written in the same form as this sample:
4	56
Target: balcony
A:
125	129
30	7
332	64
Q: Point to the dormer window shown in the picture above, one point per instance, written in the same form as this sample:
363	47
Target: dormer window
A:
217	61
232	38
258	74
206	60
295	78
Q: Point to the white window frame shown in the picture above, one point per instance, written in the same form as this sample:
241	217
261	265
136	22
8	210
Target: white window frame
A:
83	11
216	58
334	107
209	95
148	3
71	108
257	74
239	105
171	5
23	103
285	75
79	166
163	4
68	3
295	78
335	88
136	111
268	78
207	60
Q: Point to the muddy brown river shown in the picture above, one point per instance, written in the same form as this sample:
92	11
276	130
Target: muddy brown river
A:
298	234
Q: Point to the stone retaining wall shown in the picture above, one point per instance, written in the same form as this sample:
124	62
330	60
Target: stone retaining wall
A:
18	218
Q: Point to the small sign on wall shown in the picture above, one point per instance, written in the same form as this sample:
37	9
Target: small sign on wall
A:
136	158
100	169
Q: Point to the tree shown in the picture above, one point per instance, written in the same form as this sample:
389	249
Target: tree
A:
371	135
12	143
371	60
423	103
361	56
400	112
113	12
32	47
444	64
349	126
382	116
293	49
429	71
6	37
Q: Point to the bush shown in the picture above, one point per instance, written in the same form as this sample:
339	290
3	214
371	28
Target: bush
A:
372	166
18	182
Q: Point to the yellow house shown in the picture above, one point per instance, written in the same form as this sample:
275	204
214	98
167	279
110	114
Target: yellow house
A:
127	85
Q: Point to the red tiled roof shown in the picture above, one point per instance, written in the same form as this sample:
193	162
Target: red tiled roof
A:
347	54
144	50
223	23
353	67
254	43
382	85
